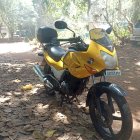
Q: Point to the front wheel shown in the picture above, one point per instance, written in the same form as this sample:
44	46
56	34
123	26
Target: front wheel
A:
111	115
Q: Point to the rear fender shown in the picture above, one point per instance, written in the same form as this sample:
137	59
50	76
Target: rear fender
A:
97	89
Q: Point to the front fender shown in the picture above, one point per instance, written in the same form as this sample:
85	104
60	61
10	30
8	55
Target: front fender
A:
101	87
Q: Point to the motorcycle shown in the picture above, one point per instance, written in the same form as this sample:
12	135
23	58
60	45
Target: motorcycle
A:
67	72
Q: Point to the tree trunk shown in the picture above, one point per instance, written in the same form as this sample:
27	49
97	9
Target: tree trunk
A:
89	6
107	20
136	14
114	31
11	33
130	27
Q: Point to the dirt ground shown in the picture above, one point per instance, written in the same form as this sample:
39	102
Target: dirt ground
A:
32	115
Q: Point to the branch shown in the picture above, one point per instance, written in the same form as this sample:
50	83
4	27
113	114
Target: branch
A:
89	6
130	27
114	31
107	20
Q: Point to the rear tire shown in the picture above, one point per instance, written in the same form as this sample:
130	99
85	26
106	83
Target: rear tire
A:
126	117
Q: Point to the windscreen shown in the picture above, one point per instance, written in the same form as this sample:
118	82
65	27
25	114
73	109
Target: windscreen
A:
104	41
100	36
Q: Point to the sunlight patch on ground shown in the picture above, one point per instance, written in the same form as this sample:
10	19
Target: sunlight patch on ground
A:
30	63
15	47
138	63
13	65
70	136
61	117
16	81
132	88
40	108
136	123
4	99
34	90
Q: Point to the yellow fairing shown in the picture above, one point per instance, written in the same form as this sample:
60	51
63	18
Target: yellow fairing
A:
57	65
75	62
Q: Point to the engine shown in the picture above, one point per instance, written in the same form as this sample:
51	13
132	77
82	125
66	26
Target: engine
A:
72	85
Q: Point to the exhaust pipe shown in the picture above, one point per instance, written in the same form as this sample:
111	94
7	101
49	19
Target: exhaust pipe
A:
41	75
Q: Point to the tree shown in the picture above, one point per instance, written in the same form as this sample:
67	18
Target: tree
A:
117	15
14	13
136	10
7	14
73	12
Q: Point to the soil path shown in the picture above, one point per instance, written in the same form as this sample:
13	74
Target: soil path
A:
30	115
129	60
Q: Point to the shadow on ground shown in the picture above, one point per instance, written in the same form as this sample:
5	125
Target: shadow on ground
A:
34	115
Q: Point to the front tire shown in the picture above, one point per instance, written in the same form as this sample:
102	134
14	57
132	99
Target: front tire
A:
103	116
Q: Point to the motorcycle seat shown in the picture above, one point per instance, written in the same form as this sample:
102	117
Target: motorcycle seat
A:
55	52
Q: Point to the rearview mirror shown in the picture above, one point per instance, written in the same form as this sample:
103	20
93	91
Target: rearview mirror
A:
60	25
109	30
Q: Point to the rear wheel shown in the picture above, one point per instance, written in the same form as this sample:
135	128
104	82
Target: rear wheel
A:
111	116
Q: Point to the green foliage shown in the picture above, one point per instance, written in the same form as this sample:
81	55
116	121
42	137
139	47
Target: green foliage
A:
30	14
135	10
73	12
15	14
66	8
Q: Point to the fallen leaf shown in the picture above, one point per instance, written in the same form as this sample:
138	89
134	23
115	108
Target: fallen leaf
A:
49	133
38	135
26	87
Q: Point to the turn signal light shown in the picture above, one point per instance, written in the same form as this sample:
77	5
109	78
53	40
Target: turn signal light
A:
90	70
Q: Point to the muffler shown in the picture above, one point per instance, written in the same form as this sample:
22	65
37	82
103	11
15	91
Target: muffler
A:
37	69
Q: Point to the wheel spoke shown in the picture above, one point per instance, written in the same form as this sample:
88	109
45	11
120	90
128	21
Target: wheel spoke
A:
117	118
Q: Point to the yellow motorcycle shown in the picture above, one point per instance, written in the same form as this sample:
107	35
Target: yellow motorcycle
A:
67	72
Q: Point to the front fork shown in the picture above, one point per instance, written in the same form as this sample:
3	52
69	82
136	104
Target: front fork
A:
97	101
96	90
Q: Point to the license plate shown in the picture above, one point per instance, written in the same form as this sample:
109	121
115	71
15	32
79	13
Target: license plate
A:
112	73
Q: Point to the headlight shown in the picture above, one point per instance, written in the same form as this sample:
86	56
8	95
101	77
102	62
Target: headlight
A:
111	62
